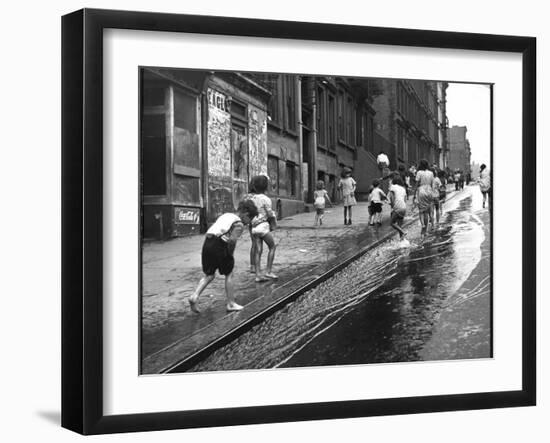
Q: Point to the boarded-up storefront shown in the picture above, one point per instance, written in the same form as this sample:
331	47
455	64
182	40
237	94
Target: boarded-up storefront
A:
171	154
236	139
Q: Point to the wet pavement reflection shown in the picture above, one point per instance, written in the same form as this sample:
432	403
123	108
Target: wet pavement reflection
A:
429	301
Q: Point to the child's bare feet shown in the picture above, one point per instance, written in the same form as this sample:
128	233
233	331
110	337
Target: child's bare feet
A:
233	306
193	304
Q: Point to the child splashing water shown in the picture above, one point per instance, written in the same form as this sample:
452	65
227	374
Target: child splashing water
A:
347	186
261	229
217	252
320	197
397	195
424	195
376	197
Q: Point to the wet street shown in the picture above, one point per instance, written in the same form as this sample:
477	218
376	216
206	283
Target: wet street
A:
429	301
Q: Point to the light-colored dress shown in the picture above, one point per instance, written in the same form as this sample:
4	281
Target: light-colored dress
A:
424	193
347	185
260	224
319	197
485	180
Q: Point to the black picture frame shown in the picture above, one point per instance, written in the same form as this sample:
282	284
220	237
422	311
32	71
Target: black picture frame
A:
82	230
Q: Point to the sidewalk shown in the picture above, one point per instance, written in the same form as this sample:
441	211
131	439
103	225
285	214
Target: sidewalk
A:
305	253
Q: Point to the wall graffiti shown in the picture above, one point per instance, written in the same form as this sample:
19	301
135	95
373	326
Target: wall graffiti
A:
257	130
220	198
219	157
219	142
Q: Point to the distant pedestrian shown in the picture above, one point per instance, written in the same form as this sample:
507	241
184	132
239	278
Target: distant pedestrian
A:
383	163
397	197
439	194
217	252
485	183
320	197
424	195
376	197
347	186
262	225
457	179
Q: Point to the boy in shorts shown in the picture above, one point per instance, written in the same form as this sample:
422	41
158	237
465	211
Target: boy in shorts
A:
397	196
376	197
217	252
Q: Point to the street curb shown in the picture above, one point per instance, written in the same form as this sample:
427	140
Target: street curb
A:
193	359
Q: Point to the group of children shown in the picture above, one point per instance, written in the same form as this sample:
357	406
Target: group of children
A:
255	210
397	196
431	192
347	187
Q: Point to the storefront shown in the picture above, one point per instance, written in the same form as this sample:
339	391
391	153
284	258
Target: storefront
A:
203	135
171	153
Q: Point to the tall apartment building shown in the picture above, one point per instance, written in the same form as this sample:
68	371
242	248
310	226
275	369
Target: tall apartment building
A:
459	149
409	118
204	134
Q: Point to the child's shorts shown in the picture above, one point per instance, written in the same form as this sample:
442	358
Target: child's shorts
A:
261	230
375	208
320	211
397	215
216	255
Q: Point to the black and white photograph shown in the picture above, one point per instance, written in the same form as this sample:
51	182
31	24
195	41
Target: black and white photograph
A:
294	220
275	222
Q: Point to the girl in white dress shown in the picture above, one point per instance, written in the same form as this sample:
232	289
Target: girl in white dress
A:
347	186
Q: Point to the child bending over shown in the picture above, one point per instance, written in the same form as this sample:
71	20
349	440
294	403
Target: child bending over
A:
217	252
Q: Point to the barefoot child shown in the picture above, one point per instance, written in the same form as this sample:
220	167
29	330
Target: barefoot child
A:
249	196
320	197
397	196
424	195
261	229
376	197
347	186
217	252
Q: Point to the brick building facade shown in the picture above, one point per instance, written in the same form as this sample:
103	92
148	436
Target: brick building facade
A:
459	150
205	134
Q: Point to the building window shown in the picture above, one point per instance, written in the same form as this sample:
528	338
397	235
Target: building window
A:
369	138
290	102
153	96
153	144
400	145
239	110
273	173
291	179
331	122
340	116
360	118
321	117
186	149
274	107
